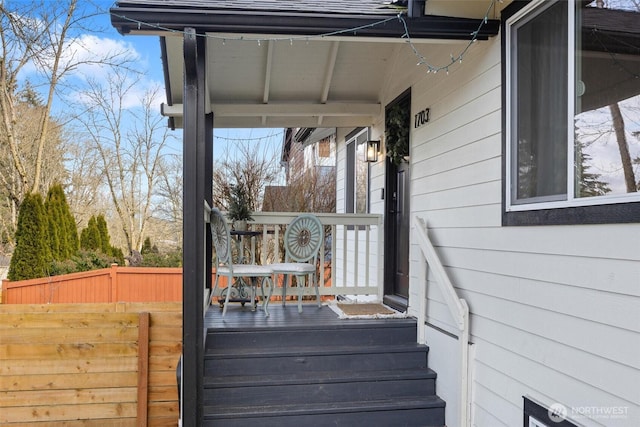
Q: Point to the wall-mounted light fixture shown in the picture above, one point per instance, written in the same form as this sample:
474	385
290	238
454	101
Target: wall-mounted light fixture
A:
371	153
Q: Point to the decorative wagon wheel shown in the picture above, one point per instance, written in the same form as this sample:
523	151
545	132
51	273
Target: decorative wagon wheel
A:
303	238
220	236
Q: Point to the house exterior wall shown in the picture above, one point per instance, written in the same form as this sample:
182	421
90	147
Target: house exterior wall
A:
346	273
554	309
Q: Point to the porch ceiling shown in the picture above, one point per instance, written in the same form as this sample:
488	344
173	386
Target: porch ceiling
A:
322	83
270	68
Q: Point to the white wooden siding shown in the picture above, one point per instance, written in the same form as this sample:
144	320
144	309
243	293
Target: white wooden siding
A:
555	311
347	272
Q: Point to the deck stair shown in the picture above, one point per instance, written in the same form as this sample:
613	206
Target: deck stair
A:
355	373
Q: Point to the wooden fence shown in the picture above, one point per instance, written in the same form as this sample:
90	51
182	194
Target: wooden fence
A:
115	284
89	364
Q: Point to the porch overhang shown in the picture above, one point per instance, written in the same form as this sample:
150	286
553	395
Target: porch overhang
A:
270	64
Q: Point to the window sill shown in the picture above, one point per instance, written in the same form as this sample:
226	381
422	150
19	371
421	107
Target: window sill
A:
618	213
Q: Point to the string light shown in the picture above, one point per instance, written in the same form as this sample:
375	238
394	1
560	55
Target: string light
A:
435	68
275	135
422	60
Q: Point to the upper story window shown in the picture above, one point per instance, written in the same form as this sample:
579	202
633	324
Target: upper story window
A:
572	104
324	148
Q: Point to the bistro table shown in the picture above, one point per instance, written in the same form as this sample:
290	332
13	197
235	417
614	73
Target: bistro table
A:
239	289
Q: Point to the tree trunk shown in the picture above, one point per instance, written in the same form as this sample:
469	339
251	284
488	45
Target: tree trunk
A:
625	157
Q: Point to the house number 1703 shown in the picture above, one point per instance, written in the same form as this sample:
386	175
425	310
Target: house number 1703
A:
421	118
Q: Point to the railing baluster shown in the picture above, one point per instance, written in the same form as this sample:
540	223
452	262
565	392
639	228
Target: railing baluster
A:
333	256
367	253
348	239
356	254
345	244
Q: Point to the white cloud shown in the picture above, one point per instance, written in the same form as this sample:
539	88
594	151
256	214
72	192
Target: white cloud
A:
90	57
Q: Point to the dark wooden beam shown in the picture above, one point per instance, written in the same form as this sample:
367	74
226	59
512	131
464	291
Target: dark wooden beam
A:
194	252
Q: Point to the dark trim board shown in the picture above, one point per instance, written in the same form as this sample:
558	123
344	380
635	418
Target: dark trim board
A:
396	302
597	214
138	18
544	415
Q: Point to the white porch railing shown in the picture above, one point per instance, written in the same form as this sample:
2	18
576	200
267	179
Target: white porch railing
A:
457	307
351	251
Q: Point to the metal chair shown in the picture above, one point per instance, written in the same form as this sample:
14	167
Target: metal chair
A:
221	240
302	242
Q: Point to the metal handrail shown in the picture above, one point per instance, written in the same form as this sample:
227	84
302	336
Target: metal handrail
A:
457	306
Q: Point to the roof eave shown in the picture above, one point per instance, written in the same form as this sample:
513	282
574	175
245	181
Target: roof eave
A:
139	20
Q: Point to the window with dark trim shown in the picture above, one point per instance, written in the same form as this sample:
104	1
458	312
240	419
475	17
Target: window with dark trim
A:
357	173
571	113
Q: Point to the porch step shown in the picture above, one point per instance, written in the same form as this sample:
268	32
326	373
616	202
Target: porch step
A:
351	374
288	359
409	412
321	387
401	331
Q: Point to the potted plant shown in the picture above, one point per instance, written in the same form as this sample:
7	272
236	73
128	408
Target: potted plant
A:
239	207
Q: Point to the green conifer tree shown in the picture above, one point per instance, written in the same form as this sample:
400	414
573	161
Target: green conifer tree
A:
118	255
105	244
146	246
90	238
63	234
53	214
68	224
32	255
95	238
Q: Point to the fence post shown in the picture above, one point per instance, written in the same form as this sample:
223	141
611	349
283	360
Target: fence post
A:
113	279
143	369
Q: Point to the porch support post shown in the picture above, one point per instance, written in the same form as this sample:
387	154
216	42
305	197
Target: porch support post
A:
195	147
208	187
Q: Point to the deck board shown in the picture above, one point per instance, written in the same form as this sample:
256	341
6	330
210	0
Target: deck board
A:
288	316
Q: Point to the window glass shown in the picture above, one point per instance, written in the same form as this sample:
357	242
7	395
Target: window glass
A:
573	104
607	102
540	103
357	174
362	174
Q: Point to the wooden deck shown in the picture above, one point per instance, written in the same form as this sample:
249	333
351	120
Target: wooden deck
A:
238	317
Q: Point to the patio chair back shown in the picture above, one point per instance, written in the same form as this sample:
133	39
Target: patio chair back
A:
220	237
303	238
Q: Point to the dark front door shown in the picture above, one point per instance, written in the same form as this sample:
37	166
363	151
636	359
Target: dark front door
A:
397	221
397	202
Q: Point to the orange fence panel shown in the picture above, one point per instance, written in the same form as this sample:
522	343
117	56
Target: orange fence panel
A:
143	284
115	284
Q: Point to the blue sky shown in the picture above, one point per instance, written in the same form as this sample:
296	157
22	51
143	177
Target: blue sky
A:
146	50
